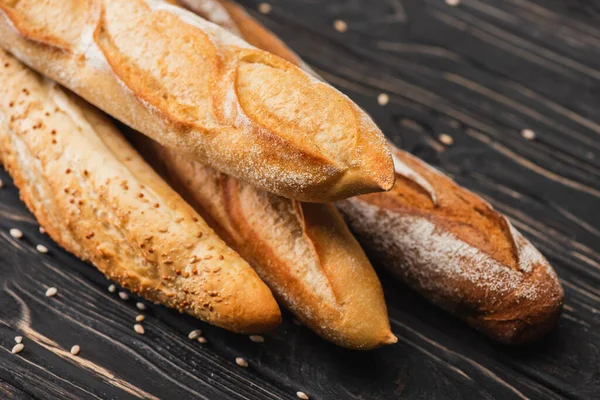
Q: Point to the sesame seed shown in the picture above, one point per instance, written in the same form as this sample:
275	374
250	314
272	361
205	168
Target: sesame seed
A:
446	139
18	339
264	8
202	339
302	395
383	99
138	328
51	292
140	318
257	338
42	230
340	25
528	134
453	3
1	183
17	348
112	288
41	248
241	362
195	334
123	296
75	350
140	306
17	234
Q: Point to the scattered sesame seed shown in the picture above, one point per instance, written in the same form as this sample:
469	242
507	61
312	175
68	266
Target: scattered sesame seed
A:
302	395
42	230
195	334
453	3
140	318
123	296
383	99
41	248
202	339
241	362
138	328
528	134
75	350
17	348
112	288
140	306
51	292
257	338
17	234
1	183
340	25
264	8
446	139
18	339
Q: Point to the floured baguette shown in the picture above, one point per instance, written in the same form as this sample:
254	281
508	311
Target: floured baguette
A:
444	241
457	251
194	87
98	199
304	252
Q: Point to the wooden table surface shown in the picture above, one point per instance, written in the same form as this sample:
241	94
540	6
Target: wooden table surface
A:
480	72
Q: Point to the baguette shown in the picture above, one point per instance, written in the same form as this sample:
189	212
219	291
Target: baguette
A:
444	241
97	198
303	251
192	86
452	247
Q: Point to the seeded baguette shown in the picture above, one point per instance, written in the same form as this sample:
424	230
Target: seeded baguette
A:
194	87
97	198
303	251
458	252
442	240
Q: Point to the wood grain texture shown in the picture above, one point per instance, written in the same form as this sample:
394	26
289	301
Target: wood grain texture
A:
480	72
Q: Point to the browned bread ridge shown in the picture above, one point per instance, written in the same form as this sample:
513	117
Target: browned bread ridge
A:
97	198
194	87
442	240
303	251
458	252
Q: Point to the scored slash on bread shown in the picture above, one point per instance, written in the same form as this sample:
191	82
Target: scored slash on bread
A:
458	252
442	240
97	198
194	87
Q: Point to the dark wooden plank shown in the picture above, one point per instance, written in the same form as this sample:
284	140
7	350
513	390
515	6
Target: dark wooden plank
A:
480	72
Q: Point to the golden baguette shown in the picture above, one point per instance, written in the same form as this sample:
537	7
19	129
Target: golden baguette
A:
442	240
303	251
194	87
98	199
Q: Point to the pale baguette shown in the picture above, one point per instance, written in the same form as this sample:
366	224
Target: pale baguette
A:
97	198
194	87
459	252
304	252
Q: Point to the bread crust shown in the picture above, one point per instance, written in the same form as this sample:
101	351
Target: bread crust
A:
97	198
452	247
194	87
